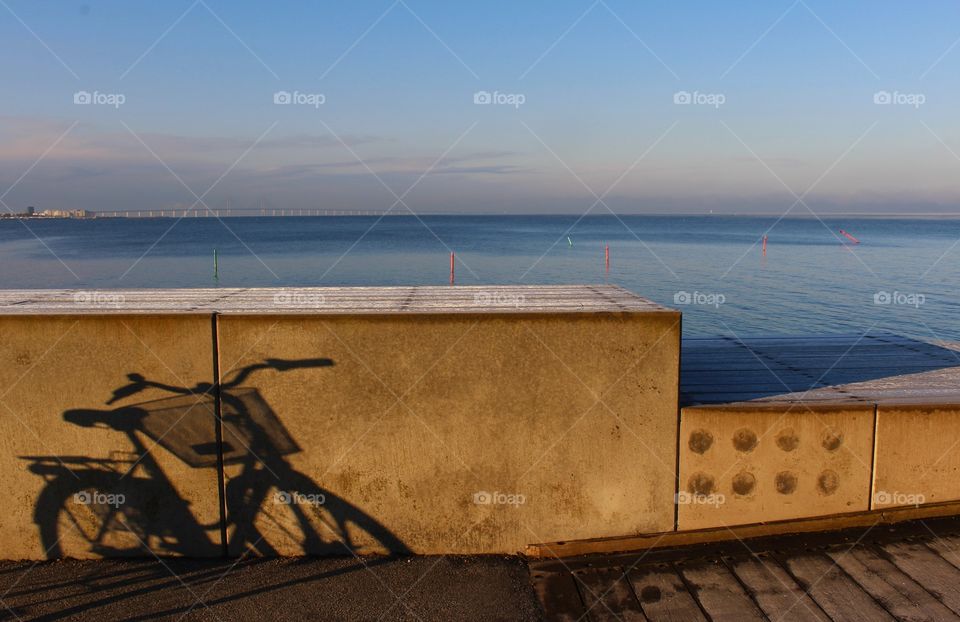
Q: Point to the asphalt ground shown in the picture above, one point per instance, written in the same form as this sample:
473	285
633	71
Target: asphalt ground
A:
408	588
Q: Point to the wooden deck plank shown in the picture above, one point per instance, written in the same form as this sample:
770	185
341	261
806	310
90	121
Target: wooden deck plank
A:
889	586
860	574
836	593
663	595
923	565
946	546
719	592
775	591
608	596
559	596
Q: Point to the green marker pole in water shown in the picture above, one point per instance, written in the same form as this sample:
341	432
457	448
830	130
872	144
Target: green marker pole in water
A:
216	267
569	241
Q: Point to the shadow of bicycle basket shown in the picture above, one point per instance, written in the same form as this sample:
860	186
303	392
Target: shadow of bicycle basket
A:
250	428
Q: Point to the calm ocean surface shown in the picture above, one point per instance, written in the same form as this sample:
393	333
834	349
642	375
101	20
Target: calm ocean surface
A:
811	281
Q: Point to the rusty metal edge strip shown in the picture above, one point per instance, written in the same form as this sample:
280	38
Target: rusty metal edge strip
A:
670	539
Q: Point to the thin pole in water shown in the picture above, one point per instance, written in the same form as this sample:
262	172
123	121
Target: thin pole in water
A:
764	246
216	266
451	266
606	256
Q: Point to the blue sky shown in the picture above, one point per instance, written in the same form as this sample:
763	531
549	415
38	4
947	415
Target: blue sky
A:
783	105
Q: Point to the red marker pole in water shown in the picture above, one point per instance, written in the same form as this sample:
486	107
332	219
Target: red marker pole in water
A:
850	237
451	267
764	246
606	257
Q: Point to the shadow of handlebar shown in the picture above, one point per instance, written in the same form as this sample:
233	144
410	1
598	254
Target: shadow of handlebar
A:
138	383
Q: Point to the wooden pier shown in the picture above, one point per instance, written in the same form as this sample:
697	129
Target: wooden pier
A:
907	572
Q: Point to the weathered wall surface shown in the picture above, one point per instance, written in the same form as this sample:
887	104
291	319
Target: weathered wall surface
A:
918	454
67	467
750	463
443	434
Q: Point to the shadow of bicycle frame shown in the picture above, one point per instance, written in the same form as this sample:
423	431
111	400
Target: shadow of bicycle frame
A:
115	507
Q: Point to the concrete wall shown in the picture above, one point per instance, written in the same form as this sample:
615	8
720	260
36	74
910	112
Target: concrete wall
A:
62	481
413	433
814	460
429	434
918	454
459	434
748	463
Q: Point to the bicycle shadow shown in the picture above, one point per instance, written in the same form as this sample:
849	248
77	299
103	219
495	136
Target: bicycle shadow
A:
129	505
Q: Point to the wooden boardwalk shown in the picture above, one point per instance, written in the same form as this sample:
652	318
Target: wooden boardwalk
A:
910	571
873	368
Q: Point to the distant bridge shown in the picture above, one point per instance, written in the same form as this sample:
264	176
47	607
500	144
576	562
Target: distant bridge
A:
238	212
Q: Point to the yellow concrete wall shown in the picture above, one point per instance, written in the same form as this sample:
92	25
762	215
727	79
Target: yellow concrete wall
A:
570	419
918	455
419	433
50	366
752	463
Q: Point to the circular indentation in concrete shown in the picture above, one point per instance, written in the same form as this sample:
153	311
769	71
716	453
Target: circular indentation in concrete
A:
650	594
701	484
744	440
744	483
831	439
828	482
786	482
700	441
787	439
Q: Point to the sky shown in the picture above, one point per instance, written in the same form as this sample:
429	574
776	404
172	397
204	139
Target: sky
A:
534	106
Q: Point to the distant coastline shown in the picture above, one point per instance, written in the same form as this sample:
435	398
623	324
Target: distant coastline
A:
288	213
47	214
